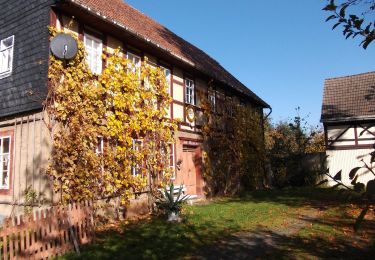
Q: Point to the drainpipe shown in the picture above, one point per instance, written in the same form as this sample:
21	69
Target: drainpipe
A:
270	108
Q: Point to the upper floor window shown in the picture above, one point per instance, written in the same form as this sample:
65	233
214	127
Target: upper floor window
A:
212	100
135	67
6	56
5	154
167	73
189	91
94	47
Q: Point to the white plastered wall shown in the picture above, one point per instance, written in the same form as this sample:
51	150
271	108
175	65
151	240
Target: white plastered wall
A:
345	160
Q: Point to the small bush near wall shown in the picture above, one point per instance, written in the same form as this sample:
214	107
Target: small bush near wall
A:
290	149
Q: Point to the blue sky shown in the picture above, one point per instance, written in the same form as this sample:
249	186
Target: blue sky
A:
282	50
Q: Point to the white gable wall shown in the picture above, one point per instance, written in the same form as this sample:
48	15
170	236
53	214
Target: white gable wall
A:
347	146
345	160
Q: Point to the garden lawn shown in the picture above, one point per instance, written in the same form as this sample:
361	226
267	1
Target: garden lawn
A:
301	223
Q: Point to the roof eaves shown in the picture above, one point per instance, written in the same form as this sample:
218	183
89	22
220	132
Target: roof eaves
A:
140	36
347	119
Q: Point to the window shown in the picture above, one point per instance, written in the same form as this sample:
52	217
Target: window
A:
189	91
93	53
5	153
137	146
167	73
220	102
212	100
168	153
100	145
171	160
136	62
6	56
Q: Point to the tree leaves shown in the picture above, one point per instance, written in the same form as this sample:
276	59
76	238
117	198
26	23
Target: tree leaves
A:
338	176
322	182
370	189
342	10
359	187
330	7
352	24
330	17
353	172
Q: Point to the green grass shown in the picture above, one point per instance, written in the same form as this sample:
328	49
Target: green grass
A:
204	225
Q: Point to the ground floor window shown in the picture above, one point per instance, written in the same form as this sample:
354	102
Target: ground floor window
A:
172	160
5	159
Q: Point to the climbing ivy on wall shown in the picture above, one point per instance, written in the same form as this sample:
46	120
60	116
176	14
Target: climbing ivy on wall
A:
233	154
126	108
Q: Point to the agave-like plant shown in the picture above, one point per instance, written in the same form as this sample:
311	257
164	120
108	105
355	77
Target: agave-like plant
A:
170	203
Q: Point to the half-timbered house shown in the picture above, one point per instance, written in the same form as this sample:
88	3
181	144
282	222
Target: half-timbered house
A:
102	26
348	115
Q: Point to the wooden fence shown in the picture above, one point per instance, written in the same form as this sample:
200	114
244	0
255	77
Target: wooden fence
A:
48	233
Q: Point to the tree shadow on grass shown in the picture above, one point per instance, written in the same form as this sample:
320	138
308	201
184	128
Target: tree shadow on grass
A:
266	244
151	239
327	236
197	237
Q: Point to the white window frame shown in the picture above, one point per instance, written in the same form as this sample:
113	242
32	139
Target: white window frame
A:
135	66
189	91
212	100
9	155
136	168
99	61
168	78
6	70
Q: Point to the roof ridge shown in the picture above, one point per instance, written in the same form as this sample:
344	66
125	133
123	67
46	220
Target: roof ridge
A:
353	75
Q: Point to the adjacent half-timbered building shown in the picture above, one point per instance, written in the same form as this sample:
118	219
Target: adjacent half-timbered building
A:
348	115
102	26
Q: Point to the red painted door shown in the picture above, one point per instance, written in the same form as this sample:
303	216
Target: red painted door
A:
191	170
188	170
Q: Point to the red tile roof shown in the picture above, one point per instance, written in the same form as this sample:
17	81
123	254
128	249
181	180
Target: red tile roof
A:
123	14
349	98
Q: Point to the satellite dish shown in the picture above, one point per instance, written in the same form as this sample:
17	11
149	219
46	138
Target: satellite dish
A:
64	46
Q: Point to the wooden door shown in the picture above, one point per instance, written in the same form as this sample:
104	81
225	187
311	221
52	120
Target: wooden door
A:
191	170
188	170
